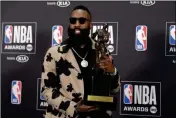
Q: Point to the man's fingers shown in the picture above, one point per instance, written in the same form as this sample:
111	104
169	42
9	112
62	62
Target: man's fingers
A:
84	108
108	60
105	57
88	107
93	109
103	61
103	66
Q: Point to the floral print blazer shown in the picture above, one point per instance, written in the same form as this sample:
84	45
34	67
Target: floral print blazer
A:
62	87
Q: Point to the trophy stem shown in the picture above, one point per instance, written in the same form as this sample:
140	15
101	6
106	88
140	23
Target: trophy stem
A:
92	84
100	82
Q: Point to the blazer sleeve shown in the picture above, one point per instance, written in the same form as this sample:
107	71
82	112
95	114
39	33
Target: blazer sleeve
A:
115	81
50	84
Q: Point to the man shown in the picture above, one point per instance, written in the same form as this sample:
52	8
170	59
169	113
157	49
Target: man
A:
66	72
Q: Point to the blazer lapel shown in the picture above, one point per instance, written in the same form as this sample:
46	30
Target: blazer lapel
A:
78	85
71	58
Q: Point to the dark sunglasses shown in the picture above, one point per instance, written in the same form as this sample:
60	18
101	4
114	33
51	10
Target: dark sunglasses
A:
81	20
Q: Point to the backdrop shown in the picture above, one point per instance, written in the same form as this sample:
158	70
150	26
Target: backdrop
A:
142	42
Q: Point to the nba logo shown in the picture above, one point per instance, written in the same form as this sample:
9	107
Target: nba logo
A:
39	89
128	94
41	96
141	38
172	39
16	92
57	33
8	34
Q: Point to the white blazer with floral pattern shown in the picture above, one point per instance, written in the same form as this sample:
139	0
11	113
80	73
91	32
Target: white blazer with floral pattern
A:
62	87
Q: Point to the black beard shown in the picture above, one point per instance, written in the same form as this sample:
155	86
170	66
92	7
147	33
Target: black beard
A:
80	39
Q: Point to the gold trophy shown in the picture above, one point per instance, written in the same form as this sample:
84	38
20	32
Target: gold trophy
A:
101	80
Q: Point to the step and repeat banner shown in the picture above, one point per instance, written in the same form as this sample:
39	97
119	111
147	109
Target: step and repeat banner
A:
142	42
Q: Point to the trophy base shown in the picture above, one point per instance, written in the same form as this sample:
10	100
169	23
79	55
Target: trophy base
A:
106	102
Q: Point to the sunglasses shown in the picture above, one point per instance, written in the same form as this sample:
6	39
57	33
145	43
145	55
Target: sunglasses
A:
81	20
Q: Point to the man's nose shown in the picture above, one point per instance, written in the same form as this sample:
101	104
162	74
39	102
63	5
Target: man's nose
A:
77	24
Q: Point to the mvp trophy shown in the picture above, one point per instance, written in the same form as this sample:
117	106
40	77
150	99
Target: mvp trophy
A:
101	80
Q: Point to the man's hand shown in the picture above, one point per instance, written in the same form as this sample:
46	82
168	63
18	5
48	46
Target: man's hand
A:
84	108
106	64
